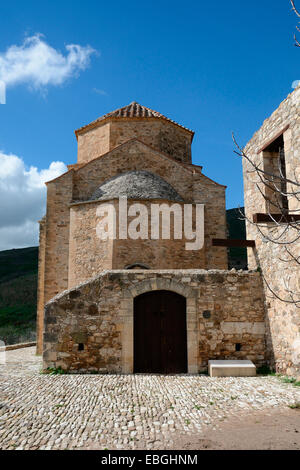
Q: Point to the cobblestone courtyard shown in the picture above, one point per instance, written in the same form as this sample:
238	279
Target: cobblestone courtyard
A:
122	411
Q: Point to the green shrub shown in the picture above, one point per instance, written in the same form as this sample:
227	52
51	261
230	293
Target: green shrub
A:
295	406
265	370
54	371
288	380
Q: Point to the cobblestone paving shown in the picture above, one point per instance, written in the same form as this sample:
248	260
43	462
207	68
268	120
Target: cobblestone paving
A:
120	411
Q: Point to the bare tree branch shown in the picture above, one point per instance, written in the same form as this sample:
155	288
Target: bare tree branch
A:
295	9
256	167
282	231
297	43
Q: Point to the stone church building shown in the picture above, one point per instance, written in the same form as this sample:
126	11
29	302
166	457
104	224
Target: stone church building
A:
123	305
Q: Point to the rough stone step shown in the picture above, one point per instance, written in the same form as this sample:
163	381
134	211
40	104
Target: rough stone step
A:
231	368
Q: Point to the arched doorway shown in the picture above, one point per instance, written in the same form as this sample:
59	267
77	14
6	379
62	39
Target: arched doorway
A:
160	335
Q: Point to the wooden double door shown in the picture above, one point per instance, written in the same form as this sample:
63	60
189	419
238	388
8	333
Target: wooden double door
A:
160	336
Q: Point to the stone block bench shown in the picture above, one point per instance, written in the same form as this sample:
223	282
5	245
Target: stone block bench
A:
242	368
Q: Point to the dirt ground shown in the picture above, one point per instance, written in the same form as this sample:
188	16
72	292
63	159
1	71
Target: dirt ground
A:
276	430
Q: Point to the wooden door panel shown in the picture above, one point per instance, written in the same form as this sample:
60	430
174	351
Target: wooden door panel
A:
160	339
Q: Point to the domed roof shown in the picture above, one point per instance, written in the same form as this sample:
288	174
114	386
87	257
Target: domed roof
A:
136	185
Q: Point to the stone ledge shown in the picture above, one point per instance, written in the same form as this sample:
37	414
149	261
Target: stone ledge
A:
151	272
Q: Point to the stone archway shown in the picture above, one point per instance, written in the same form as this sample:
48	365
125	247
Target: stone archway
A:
127	314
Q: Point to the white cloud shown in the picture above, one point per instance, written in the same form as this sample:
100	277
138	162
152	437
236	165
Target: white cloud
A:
22	200
38	64
99	92
295	83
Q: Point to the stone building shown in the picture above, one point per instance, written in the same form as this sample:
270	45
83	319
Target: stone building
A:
146	304
280	131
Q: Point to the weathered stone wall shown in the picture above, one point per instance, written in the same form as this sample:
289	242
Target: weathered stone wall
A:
89	255
54	265
132	155
283	319
213	196
93	143
59	196
191	184
40	289
223	308
160	135
162	253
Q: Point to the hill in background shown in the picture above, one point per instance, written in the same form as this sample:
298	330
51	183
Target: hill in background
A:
236	228
18	286
18	283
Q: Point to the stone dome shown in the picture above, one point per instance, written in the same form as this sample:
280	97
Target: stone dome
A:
136	185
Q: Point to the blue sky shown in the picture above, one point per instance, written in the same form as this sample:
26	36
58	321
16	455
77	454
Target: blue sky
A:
213	67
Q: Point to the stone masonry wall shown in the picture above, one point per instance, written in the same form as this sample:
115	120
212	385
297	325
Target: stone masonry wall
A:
53	267
160	135
158	254
283	319
89	255
40	290
193	186
132	155
213	196
223	308
93	143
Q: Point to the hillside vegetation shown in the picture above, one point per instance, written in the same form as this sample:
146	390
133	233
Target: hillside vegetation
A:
236	229
18	286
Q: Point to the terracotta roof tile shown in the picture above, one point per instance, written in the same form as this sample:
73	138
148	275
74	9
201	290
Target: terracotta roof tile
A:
132	110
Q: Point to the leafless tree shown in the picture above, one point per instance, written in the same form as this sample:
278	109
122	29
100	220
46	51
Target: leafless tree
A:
281	227
297	43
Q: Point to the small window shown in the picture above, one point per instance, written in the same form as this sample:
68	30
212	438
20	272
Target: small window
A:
275	188
137	266
80	347
238	346
206	314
